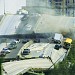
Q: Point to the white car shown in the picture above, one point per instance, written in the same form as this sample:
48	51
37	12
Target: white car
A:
6	50
16	41
23	11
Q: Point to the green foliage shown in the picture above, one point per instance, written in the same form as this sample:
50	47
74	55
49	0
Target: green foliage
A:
1	60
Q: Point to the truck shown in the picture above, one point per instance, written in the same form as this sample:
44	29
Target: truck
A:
58	38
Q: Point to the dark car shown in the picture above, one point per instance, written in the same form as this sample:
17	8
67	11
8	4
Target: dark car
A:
2	53
26	52
25	17
57	46
24	41
36	40
10	47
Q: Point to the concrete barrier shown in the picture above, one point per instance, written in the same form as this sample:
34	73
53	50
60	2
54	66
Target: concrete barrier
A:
2	19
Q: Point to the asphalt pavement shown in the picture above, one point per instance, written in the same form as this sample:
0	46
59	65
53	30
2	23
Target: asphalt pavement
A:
48	23
13	24
14	52
18	67
10	24
27	24
1	16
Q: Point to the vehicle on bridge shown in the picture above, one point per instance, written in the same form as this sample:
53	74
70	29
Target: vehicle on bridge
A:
6	50
58	38
10	47
22	11
26	52
2	53
24	41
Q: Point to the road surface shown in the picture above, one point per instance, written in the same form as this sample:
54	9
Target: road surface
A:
27	24
48	23
16	67
12	24
14	52
9	24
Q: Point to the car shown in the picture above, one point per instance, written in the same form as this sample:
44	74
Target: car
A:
2	53
57	46
25	17
36	40
10	47
22	11
24	41
6	50
16	41
13	43
26	52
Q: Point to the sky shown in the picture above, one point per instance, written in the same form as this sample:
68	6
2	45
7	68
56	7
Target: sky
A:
11	6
